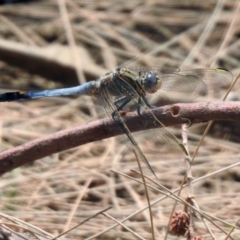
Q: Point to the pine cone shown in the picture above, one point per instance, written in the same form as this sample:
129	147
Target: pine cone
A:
179	223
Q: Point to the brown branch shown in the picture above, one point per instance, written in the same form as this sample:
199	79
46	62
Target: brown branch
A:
169	115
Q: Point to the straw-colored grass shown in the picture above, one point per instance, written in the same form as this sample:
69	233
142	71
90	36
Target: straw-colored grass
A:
60	191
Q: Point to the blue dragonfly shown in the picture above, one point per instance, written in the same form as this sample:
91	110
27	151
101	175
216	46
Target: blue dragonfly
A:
123	88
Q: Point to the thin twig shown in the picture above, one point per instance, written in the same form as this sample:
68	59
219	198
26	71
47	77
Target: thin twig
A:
124	226
87	219
147	195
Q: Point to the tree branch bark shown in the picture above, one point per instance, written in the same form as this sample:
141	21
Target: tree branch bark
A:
169	115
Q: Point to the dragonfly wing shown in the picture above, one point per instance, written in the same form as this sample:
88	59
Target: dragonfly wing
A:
107	101
167	142
160	145
183	83
185	86
213	78
177	88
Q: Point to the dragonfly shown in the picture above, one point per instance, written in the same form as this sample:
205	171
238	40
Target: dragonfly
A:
122	88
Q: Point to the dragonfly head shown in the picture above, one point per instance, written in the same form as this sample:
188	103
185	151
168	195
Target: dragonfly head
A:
151	82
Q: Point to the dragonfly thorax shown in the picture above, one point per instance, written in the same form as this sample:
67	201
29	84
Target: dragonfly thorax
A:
151	82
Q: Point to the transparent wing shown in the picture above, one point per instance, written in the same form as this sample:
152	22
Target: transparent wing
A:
187	85
167	142
213	78
107	101
195	81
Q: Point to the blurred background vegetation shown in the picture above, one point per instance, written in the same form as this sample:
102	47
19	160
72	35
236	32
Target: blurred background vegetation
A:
51	44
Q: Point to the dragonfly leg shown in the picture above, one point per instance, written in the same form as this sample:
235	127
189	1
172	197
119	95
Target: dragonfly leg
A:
123	102
147	103
140	104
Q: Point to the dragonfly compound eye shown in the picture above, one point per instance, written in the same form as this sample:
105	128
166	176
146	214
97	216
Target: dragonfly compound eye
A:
151	82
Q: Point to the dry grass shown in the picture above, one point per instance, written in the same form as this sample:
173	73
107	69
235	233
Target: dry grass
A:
60	191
